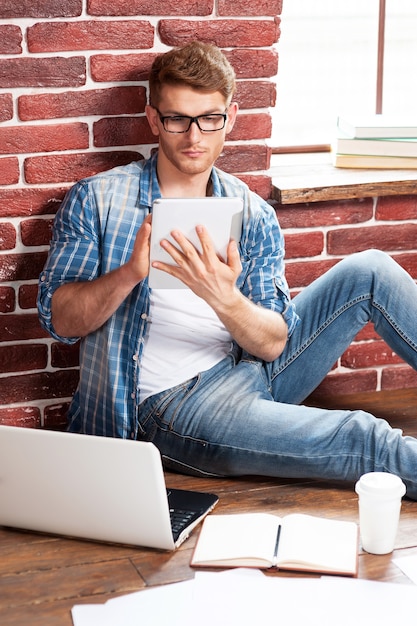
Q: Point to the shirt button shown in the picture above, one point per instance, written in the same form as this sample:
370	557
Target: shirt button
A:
135	357
144	316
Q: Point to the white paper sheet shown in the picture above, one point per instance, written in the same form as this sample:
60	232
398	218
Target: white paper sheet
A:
408	565
241	597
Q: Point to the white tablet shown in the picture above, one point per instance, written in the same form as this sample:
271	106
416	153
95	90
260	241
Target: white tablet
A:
222	217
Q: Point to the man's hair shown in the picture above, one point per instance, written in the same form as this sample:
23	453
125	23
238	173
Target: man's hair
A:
197	65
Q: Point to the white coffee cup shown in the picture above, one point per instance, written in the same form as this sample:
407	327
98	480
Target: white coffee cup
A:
380	495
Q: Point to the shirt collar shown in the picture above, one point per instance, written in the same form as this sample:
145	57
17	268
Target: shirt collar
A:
149	186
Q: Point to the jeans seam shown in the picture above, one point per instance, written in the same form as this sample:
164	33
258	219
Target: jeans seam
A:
318	331
394	326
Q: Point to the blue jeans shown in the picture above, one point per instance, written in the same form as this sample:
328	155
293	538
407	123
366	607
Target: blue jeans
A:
243	416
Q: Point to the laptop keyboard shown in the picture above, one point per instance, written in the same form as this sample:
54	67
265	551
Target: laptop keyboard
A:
180	520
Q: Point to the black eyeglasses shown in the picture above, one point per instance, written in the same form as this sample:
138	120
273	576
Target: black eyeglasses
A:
208	123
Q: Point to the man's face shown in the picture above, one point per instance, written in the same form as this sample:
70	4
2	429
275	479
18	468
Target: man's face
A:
192	152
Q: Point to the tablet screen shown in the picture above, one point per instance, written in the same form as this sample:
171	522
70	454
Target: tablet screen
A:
222	217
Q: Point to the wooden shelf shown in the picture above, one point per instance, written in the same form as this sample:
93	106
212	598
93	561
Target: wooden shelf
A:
312	178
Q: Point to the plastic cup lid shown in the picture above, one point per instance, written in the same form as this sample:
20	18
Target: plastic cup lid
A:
383	483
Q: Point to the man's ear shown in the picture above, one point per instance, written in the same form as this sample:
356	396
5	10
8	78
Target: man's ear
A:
231	116
152	116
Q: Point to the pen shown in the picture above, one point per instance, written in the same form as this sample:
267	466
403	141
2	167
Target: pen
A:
275	557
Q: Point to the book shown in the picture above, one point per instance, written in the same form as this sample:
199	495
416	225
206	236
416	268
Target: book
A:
377	125
374	161
295	542
406	147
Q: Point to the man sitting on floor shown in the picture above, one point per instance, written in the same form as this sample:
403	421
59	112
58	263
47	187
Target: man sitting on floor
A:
214	374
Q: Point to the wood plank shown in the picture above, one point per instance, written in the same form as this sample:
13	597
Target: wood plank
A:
26	556
54	582
312	178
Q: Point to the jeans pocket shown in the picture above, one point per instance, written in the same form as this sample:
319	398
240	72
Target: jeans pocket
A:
162	408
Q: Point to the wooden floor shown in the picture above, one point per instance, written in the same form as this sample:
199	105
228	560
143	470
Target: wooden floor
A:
42	577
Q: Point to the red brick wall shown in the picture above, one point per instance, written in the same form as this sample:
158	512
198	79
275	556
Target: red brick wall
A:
317	236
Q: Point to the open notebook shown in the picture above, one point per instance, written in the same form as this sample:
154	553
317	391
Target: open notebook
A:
97	488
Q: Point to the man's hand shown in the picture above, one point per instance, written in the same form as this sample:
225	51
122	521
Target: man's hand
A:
206	274
259	331
138	264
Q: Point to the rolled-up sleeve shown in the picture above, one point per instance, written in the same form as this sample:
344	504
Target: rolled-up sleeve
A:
262	252
73	254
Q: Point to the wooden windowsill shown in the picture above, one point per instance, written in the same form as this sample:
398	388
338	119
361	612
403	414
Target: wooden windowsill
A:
298	178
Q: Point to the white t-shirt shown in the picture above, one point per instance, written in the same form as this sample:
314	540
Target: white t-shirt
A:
185	337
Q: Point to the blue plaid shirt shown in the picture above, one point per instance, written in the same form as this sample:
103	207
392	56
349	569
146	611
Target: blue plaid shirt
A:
94	233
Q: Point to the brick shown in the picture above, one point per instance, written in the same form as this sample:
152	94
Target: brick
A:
7	236
7	299
45	8
408	262
111	101
89	35
325	213
6	107
149	7
302	273
9	171
244	158
255	126
259	183
27	296
38	386
72	167
10	39
253	63
249	7
344	383
300	245
24	139
21	327
399	377
122	131
22	416
346	240
39	72
36	232
21	266
26	202
396	208
252	94
373	354
63	356
23	358
55	416
243	33
367	333
116	68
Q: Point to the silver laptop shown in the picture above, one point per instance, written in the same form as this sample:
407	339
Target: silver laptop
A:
98	488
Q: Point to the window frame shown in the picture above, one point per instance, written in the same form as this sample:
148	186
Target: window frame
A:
301	149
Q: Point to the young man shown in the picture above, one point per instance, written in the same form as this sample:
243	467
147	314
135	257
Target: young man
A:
214	374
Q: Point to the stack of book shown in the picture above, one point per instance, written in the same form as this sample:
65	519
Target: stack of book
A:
375	142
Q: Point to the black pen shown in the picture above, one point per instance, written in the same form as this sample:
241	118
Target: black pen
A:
275	557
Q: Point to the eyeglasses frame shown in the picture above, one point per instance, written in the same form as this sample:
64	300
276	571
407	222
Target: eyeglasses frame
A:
191	121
